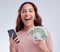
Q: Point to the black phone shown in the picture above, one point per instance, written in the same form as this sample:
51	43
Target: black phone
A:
10	33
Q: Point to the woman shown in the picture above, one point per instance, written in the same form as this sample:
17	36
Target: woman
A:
28	18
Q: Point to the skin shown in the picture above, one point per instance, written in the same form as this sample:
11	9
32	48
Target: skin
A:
28	12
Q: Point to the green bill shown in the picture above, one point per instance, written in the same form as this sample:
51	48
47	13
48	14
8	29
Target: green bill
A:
38	32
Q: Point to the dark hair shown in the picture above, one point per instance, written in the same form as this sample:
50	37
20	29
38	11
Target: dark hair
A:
20	24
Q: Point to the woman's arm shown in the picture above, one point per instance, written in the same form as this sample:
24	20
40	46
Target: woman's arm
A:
12	49
49	42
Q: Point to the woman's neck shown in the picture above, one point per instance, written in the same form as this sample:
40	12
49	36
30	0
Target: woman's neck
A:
26	28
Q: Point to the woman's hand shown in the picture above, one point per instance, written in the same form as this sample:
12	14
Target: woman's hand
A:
41	43
13	43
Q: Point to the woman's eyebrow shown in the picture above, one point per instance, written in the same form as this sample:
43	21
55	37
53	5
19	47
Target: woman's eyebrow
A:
23	9
28	9
31	9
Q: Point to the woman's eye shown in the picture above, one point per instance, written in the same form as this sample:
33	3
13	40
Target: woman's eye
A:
31	11
23	11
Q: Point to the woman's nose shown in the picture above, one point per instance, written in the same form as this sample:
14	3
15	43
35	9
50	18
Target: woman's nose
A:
27	13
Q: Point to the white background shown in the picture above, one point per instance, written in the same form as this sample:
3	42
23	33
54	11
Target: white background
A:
49	10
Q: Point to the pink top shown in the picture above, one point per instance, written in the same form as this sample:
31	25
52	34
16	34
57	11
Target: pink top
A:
27	44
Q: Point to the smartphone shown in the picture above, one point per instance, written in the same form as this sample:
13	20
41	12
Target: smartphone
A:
10	33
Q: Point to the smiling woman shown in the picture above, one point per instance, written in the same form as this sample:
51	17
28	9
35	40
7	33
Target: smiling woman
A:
32	10
27	19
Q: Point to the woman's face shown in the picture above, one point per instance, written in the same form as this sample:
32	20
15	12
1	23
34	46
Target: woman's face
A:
28	14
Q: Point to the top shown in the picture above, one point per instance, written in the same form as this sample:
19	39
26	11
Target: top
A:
27	44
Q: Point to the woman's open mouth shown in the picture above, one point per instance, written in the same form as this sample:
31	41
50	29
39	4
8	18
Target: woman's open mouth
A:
27	18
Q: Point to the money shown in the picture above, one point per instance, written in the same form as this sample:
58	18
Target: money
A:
38	32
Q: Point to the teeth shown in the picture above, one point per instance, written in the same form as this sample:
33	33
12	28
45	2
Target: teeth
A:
27	18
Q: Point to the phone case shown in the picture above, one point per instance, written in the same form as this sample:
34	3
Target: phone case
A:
10	33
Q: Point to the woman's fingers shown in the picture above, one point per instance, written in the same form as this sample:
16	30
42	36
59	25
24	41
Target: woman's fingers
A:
14	41
41	41
17	40
12	35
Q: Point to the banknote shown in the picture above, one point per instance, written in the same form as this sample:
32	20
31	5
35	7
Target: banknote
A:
38	32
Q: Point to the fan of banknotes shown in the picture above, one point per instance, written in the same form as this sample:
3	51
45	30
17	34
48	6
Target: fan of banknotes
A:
38	32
